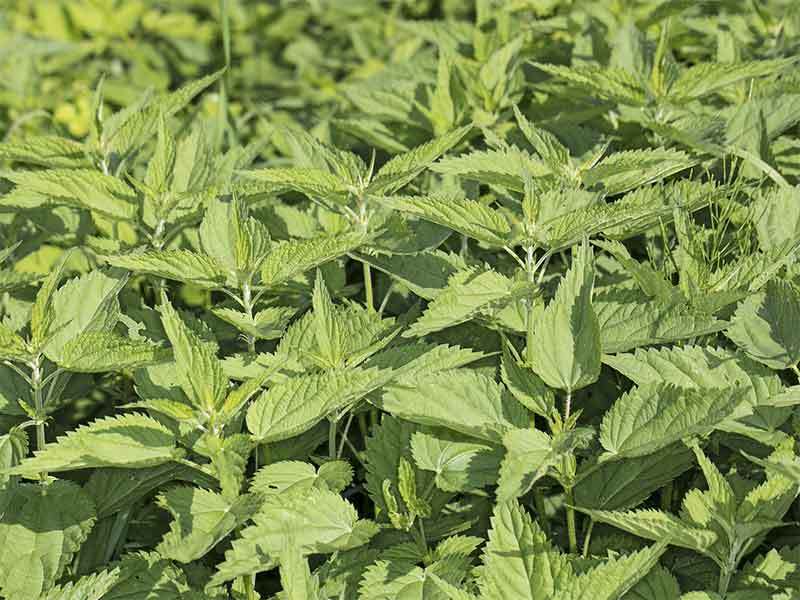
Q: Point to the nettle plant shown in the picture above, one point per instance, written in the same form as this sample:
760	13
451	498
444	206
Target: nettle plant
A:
473	301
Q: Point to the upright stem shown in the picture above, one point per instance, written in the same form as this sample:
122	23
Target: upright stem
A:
332	439
571	531
587	539
567	406
369	301
38	404
570	499
530	270
247	301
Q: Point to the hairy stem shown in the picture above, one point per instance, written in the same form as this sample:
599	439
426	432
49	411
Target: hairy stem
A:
369	300
332	439
587	539
344	434
38	405
573	538
247	303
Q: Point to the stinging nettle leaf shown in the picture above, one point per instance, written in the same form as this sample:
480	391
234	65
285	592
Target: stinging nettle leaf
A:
566	351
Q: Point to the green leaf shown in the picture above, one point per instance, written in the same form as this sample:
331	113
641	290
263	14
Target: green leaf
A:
567	350
82	188
98	351
290	408
178	265
45	151
530	454
130	440
607	83
623	171
526	386
12	346
201	519
613	578
41	313
296	578
403	168
465	401
468	217
626	483
467	294
764	326
98	309
130	129
288	259
267	324
658	526
316	522
459	466
42	527
706	78
626	324
518	560
89	587
653	416
198	369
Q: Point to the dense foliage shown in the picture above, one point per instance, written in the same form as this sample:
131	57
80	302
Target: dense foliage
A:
363	300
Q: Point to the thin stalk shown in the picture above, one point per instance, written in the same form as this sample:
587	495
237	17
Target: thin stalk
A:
369	299
249	582
530	270
587	539
727	570
385	300
570	500
573	538
38	404
247	303
567	406
332	439
344	434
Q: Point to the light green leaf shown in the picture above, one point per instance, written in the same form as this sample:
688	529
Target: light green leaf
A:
131	440
403	168
41	528
468	217
518	560
198	369
460	399
654	416
566	354
288	409
178	265
83	188
12	346
291	258
466	295
99	351
764	326
45	151
459	466
614	577
201	519
97	310
658	526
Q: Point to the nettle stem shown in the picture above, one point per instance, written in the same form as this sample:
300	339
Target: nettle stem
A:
332	439
530	269
37	386
569	498
369	299
247	303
